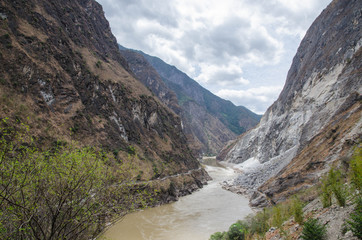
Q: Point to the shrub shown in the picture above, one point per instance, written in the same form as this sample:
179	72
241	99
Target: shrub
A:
356	169
63	193
258	223
131	150
218	236
355	222
333	184
313	230
297	208
237	231
277	219
326	195
337	187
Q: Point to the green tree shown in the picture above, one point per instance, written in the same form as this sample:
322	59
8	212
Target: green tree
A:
63	193
313	230
237	231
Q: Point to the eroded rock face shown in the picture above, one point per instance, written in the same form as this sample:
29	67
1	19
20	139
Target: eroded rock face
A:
61	70
323	81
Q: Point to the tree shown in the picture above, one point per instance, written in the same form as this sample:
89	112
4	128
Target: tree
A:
62	193
313	230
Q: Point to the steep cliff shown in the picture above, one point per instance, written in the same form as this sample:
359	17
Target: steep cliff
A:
317	117
209	122
61	72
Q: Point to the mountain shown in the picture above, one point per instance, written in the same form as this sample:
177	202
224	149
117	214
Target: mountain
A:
209	122
316	120
62	74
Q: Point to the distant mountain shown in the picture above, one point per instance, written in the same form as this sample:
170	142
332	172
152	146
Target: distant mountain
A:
316	120
209	122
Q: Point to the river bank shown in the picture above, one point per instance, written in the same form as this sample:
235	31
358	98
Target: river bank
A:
193	217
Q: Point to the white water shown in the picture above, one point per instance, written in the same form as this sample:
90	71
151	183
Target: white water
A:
194	217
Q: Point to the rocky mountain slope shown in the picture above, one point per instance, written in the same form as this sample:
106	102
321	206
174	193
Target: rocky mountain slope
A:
209	122
61	72
317	117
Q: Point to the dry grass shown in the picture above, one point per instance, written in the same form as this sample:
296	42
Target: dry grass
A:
112	71
28	30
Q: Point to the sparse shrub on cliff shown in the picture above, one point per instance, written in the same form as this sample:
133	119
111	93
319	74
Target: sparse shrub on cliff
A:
333	185
356	169
326	194
297	208
277	218
313	230
355	220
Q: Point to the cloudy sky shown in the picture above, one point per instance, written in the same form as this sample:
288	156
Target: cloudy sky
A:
240	50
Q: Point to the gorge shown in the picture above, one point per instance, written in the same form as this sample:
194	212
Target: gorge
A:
91	131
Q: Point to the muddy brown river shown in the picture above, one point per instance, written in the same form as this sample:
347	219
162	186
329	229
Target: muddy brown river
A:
194	217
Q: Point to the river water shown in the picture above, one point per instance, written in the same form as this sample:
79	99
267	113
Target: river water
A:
193	217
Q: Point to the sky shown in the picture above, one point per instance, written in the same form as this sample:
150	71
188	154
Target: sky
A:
240	50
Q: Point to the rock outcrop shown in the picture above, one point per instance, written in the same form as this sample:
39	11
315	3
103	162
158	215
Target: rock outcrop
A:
317	117
61	72
208	121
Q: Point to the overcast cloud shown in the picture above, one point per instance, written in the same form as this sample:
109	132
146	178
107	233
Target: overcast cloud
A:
240	50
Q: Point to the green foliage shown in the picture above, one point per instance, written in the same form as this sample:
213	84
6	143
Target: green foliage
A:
355	221
277	218
237	231
131	150
333	183
313	230
62	193
219	236
259	223
297	208
356	169
326	195
156	172
99	64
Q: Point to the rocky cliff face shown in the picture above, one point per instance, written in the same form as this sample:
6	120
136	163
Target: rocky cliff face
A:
320	103
209	122
62	73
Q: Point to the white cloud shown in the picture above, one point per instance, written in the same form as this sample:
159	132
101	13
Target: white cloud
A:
257	98
217	42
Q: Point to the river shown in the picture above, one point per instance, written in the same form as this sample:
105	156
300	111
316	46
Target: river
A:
193	217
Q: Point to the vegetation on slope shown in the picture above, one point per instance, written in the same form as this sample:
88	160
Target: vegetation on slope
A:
341	184
64	192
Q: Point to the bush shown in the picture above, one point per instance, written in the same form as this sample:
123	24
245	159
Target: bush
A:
356	169
333	183
62	193
277	218
297	208
237	231
326	195
218	236
131	150
337	187
355	222
313	230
